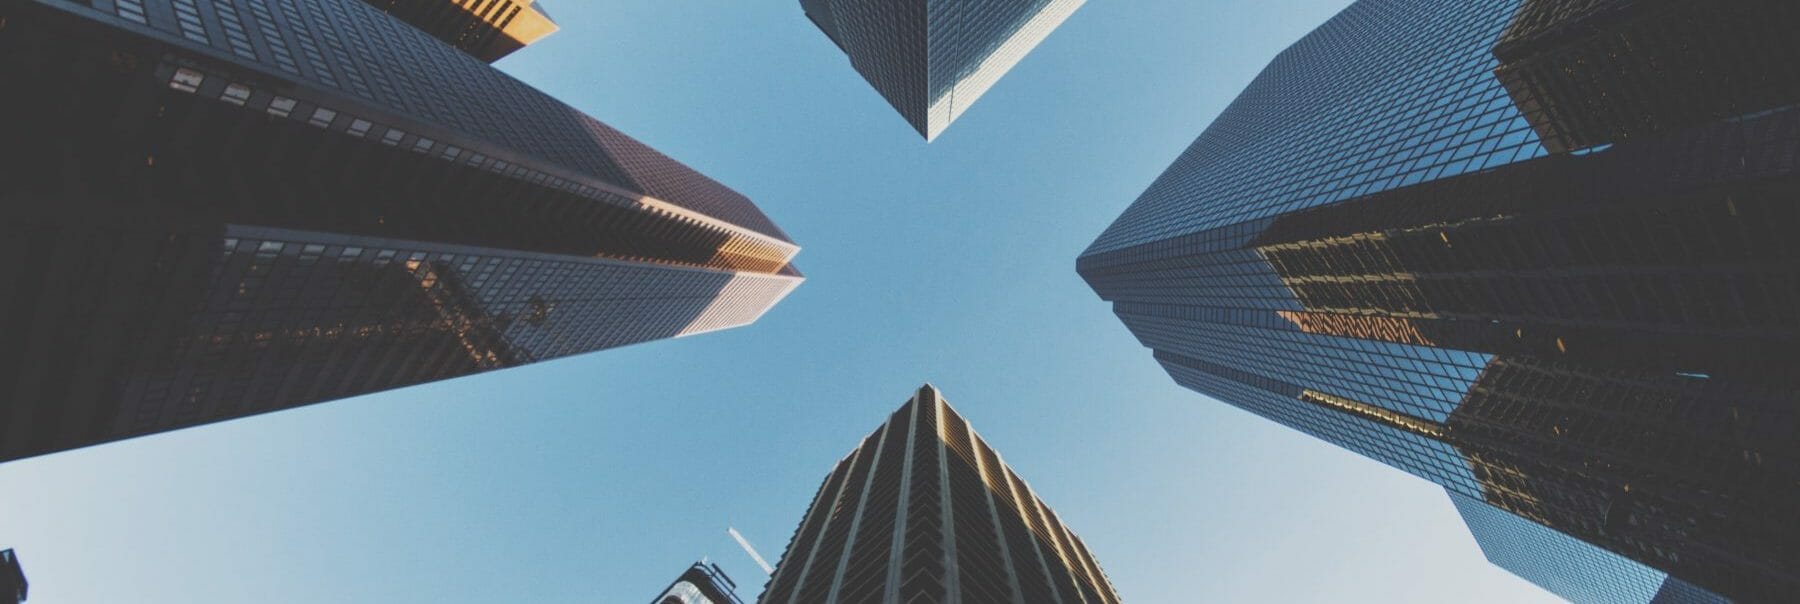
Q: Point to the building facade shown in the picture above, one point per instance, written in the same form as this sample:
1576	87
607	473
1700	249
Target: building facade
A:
225	208
925	511
1536	252
703	583
1573	569
932	60
486	29
12	577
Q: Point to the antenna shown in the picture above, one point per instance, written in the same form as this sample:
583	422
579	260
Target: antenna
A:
750	549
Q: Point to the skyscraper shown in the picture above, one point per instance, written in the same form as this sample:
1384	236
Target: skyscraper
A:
225	208
486	29
924	511
932	60
12	577
703	583
1539	253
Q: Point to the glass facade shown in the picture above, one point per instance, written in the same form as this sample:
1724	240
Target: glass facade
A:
925	511
199	233
932	59
1568	567
1375	245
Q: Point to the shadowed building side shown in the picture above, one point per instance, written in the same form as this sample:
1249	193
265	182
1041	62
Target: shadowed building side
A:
1590	72
925	511
197	236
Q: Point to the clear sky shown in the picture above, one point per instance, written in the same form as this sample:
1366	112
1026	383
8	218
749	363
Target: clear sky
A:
600	478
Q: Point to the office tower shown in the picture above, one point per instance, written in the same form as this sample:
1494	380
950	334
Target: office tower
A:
1568	567
1539	253
703	583
225	208
12	577
924	511
486	29
932	60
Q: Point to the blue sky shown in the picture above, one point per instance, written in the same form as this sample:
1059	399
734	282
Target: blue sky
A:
599	478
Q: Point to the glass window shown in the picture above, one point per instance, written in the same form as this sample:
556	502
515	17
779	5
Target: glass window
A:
323	117
281	106
392	137
236	94
187	80
359	127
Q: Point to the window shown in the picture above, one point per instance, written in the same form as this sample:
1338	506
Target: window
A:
359	127
422	145
187	80
392	137
322	117
451	151
236	94
281	106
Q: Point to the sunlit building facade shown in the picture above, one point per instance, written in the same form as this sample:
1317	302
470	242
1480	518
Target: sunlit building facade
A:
12	578
1537	252
225	208
486	29
703	583
925	511
932	60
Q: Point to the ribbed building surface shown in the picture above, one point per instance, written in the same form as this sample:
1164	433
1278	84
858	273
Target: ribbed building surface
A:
229	207
925	511
703	583
486	29
1514	249
932	60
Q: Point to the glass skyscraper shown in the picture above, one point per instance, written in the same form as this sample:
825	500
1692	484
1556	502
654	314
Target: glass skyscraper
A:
1537	252
703	583
931	60
925	511
222	208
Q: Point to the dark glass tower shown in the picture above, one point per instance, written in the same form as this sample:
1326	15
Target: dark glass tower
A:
931	60
924	511
222	208
1539	253
486	29
703	583
12	577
